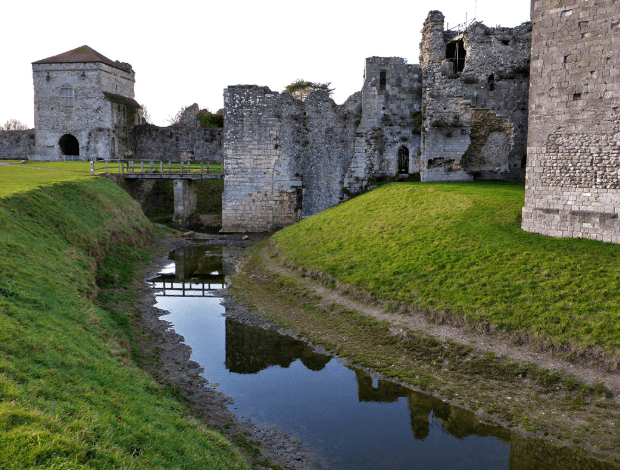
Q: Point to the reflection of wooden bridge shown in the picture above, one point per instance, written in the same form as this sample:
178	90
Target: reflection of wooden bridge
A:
158	169
185	289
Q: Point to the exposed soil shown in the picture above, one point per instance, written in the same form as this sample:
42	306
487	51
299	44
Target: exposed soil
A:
167	359
559	411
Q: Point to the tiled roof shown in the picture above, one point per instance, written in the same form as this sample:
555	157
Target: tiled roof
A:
80	55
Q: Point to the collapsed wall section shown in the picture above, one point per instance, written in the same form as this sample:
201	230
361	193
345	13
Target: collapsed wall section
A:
573	168
474	101
16	145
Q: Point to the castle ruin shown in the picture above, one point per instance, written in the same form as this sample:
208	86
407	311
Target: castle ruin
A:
460	115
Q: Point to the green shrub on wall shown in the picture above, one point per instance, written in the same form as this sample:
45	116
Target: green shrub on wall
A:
210	120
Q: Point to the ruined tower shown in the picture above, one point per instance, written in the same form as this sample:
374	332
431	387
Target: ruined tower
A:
474	100
573	161
84	106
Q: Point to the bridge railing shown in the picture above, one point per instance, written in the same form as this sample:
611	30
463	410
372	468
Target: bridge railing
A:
155	167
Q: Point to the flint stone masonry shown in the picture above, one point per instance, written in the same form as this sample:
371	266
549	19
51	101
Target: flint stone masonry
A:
389	107
16	145
475	119
167	143
573	160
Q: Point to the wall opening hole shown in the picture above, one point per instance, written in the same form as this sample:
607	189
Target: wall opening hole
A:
403	159
69	145
455	53
113	147
505	42
576	96
491	81
382	80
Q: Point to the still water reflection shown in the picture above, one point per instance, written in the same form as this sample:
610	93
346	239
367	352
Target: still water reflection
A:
345	418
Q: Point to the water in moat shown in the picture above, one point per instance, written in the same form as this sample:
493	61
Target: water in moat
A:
345	418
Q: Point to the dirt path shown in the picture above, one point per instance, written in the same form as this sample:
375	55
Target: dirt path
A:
487	343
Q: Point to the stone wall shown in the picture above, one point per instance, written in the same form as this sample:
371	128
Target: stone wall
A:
284	157
100	116
166	143
475	93
16	145
389	122
573	159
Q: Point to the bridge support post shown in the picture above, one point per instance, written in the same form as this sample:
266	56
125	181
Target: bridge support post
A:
185	199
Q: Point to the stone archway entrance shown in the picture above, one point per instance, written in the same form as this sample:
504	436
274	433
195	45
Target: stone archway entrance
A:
403	159
69	145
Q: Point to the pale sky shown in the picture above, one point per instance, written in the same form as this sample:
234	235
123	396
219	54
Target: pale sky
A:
187	52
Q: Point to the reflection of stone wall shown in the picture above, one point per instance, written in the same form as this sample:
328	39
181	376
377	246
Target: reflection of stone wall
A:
573	163
534	454
250	349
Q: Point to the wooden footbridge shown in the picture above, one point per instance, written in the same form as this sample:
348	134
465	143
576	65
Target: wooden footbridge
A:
159	169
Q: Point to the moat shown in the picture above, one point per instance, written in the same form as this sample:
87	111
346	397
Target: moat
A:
345	418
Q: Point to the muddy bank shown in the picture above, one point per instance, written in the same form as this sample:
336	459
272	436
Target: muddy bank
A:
553	410
168	361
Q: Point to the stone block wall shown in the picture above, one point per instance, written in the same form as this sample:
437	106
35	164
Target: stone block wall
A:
16	145
166	143
284	157
573	161
389	112
475	94
102	113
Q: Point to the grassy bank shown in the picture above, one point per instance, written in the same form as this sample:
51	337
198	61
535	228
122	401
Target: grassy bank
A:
71	395
457	251
522	396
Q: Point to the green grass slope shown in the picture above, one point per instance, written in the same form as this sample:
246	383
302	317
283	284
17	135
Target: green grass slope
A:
70	394
459	248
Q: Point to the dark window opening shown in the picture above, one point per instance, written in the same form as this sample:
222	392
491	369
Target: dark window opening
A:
576	96
491	82
403	159
69	145
565	61
113	147
455	53
505	42
382	80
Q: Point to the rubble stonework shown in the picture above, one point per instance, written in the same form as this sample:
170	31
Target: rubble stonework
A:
474	101
573	159
389	122
166	143
16	145
84	106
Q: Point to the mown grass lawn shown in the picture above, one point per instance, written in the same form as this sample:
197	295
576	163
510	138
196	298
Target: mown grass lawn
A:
458	247
20	179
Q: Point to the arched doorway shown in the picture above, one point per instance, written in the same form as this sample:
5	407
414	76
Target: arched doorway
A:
403	159
69	145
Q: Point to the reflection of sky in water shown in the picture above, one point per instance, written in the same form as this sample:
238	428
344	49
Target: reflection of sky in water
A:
322	408
168	269
345	418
